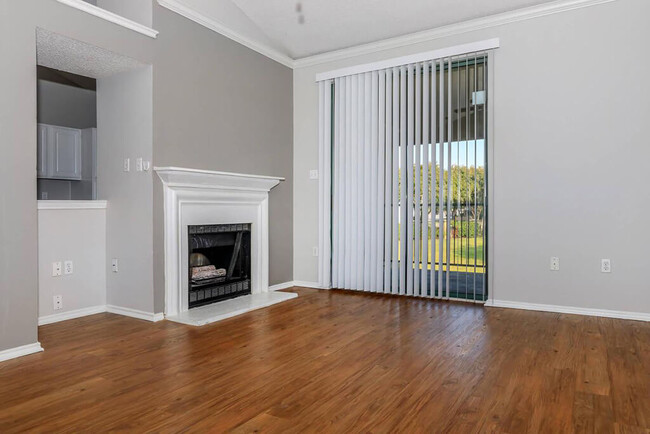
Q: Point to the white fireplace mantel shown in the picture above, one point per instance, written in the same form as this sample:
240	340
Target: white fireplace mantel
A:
175	177
200	197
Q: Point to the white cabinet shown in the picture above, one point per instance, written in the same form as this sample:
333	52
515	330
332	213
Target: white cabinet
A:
59	152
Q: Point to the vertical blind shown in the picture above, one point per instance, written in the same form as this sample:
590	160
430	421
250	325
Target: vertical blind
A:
405	148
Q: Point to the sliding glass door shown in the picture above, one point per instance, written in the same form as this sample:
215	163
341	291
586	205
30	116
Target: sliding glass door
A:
408	178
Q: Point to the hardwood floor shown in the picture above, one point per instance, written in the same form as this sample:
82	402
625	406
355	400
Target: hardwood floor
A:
334	361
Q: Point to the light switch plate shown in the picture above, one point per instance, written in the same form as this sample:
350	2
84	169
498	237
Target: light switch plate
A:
127	164
138	164
56	269
114	265
67	267
555	263
313	174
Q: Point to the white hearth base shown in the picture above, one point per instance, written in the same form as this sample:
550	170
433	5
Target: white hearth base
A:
226	309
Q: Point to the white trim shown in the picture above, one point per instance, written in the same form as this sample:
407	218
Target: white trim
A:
191	176
638	316
24	350
226	31
72	204
77	313
456	50
280	286
450	30
228	308
134	313
110	16
306	284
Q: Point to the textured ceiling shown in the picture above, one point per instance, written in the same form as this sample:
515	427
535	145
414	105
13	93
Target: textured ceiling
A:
334	24
65	54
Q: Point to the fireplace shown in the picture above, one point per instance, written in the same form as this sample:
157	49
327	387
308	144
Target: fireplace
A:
198	204
219	262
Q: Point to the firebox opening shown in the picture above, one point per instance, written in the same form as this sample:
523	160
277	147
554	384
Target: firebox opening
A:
219	262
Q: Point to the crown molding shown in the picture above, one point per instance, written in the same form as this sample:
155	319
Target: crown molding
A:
110	16
450	30
226	31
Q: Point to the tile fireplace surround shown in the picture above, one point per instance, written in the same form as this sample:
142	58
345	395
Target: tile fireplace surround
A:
202	197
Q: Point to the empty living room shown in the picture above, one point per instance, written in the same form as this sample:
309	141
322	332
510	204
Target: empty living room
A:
425	216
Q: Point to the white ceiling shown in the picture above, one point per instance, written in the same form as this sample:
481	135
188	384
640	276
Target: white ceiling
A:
335	24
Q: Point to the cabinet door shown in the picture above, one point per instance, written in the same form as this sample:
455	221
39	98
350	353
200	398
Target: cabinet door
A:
42	154
66	153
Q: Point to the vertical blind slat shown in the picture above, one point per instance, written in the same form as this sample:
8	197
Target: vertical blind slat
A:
441	190
416	180
424	281
408	168
381	180
350	190
403	181
359	170
374	184
434	192
395	276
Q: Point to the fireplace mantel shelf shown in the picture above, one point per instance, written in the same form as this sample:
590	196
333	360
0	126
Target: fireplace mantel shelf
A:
197	178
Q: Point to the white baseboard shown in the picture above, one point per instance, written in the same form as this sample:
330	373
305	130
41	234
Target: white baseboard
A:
280	286
306	284
303	283
135	313
24	350
637	316
77	313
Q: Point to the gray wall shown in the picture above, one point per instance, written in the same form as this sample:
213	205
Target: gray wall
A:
135	10
66	106
570	156
218	106
124	130
191	75
80	236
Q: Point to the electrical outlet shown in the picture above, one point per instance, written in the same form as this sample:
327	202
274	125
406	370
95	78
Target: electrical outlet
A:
555	263
314	251
605	266
67	267
114	264
57	301
56	269
313	174
127	164
138	165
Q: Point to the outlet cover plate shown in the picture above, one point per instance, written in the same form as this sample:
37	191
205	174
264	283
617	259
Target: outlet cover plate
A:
57	302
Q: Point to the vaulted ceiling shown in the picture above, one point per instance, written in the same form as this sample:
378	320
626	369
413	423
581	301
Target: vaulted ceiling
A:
328	25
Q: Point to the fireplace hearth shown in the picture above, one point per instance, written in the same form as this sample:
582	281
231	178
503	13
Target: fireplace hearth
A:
219	262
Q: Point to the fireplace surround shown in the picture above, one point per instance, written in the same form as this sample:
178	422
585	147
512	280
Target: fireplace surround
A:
195	197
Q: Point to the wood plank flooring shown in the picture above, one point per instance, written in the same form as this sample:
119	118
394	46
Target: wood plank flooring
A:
335	361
